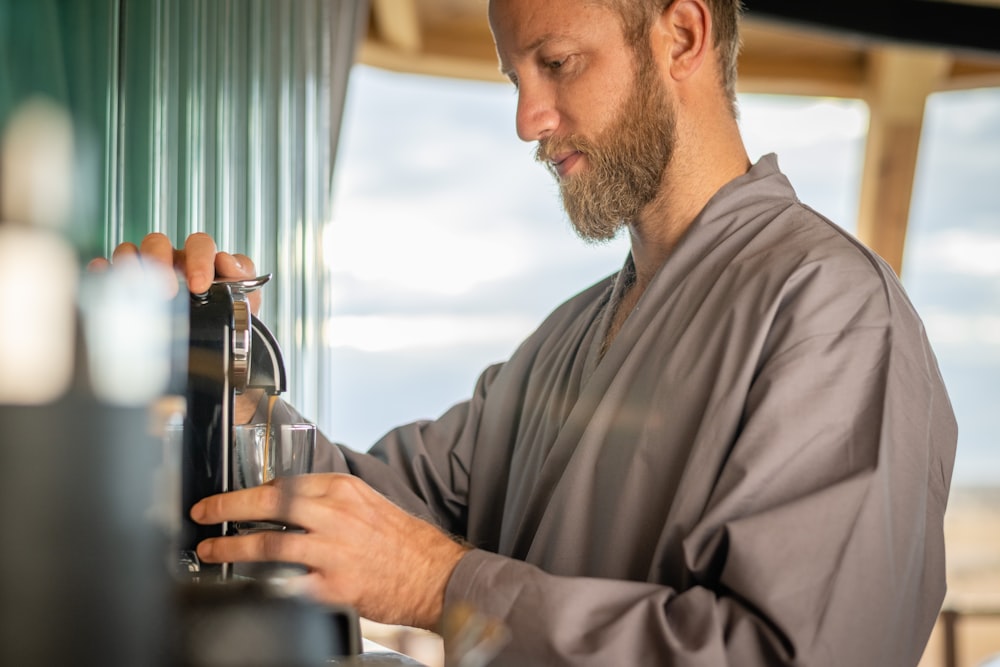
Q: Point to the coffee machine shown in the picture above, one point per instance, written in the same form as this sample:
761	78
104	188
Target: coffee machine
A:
229	351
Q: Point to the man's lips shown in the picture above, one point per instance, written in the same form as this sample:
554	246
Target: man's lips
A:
564	162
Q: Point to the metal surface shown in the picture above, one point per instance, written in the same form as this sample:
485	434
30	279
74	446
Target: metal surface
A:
240	355
376	655
240	347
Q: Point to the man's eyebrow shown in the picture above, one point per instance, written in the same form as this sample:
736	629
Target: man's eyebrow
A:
529	48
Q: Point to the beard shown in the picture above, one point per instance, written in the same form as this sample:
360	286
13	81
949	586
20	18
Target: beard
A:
625	162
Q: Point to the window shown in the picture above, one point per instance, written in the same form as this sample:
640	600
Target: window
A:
952	266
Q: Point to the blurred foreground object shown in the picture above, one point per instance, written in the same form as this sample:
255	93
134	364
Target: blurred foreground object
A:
38	269
82	577
471	639
93	380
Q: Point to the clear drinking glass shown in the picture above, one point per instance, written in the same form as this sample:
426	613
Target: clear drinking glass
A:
262	453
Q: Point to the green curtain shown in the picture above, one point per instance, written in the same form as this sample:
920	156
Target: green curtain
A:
66	52
202	115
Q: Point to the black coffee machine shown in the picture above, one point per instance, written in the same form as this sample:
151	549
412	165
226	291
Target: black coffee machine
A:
229	351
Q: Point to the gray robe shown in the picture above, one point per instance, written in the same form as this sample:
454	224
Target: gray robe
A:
755	473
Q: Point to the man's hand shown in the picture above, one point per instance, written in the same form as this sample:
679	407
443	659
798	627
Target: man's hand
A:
199	261
360	548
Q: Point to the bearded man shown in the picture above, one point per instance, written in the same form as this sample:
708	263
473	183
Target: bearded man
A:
735	451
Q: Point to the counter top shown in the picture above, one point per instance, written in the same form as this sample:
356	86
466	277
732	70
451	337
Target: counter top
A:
376	655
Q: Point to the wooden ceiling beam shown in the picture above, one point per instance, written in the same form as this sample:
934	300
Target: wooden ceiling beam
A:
900	80
377	54
397	24
775	74
789	56
968	74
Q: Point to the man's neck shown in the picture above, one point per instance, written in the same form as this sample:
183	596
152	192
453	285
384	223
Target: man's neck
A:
660	227
683	195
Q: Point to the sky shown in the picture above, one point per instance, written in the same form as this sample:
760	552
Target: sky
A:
449	243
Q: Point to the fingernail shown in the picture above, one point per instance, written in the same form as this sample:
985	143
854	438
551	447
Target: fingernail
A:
198	512
205	550
197	280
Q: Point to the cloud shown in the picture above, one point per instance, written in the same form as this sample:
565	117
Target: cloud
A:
979	332
960	251
417	333
791	123
969	115
799	130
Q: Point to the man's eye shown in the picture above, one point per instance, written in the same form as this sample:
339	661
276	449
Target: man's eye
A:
554	64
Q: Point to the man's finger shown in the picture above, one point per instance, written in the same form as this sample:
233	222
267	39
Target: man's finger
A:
157	247
308	501
253	504
320	485
199	257
98	265
235	267
267	502
125	252
260	546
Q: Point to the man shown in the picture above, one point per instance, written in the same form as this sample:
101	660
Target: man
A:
737	450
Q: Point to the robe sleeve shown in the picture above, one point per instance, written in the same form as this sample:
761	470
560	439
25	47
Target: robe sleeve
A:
822	542
423	467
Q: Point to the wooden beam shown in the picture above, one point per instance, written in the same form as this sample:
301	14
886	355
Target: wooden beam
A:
900	79
967	74
397	24
778	75
377	54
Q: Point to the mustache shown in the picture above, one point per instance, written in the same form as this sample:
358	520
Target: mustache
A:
547	149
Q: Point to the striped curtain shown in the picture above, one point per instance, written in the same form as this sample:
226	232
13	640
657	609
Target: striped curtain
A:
219	116
229	113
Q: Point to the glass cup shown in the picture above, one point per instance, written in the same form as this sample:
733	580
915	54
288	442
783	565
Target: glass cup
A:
261	454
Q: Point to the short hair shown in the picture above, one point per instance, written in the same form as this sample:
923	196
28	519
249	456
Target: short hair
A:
638	15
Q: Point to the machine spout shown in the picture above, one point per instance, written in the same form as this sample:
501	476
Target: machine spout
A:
267	366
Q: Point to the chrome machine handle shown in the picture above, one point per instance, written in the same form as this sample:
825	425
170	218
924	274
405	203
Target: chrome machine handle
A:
240	357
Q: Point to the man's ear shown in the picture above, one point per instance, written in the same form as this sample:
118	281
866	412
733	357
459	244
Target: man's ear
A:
681	37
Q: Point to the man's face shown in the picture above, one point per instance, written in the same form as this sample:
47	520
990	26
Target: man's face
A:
596	106
625	161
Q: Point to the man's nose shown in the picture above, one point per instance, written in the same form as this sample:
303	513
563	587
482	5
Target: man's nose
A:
537	117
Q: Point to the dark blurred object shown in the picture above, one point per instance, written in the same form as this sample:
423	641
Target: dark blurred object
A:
248	624
82	576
